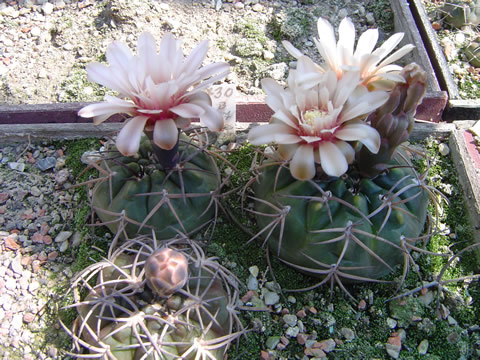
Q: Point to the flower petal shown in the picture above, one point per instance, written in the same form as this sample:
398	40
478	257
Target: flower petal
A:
397	55
286	151
345	86
388	46
292	50
102	111
119	55
366	43
302	165
147	52
327	45
188	110
165	134
272	133
168	48
332	159
195	59
212	118
347	150
364	133
346	41
274	93
364	104
285	118
103	75
128	140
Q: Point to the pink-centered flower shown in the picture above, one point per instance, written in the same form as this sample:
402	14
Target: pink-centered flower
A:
377	70
314	122
161	92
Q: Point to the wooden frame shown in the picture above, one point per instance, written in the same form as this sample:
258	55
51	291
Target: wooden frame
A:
457	109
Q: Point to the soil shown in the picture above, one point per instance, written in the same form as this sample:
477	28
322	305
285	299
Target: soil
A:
44	47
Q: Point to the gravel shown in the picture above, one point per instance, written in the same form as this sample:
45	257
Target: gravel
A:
36	212
45	45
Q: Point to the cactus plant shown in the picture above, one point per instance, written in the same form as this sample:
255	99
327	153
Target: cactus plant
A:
339	200
169	201
166	180
460	13
131	312
472	52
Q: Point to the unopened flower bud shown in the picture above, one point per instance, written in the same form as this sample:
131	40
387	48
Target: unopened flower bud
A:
166	271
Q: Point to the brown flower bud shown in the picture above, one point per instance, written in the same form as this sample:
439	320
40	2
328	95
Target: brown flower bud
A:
166	271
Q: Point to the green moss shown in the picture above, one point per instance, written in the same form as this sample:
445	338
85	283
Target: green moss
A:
383	14
77	88
298	23
251	29
73	151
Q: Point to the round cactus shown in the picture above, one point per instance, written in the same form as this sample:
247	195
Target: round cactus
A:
459	13
124	317
352	228
358	225
473	53
148	197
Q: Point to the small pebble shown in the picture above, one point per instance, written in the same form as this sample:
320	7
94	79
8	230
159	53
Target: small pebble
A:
253	270
290	320
63	236
348	334
17	166
271	298
423	347
443	149
28	318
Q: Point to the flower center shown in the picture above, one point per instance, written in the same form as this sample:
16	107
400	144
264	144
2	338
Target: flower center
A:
317	127
313	117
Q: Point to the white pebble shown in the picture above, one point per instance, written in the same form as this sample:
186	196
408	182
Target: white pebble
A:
444	149
34	285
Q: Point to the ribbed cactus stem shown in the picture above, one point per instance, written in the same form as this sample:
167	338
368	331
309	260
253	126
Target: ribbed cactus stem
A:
394	120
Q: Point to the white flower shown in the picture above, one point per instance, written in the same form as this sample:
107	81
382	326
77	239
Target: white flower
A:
315	123
376	70
164	90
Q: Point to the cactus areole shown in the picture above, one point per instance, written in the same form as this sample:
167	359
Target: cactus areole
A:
355	228
152	197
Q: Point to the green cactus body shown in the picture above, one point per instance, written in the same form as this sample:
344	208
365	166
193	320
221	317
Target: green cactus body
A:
473	53
174	341
460	13
183	192
320	235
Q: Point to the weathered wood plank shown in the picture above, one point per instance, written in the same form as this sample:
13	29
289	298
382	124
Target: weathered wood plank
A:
468	170
433	49
404	22
457	109
21	132
40	132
